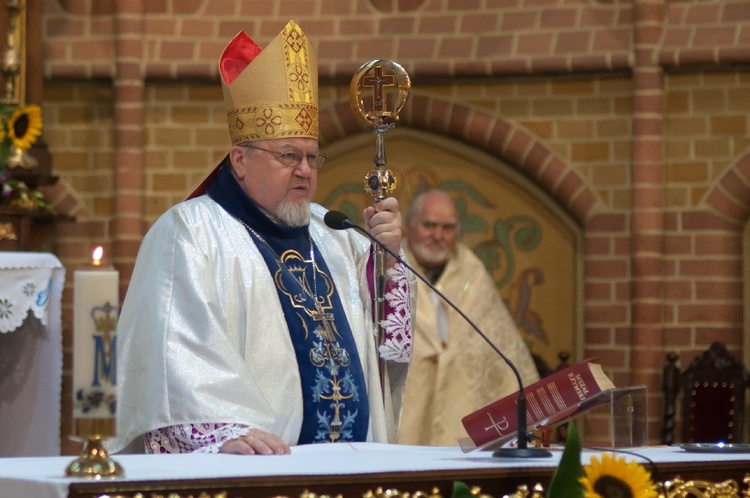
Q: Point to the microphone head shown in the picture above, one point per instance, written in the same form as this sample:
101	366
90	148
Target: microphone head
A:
337	220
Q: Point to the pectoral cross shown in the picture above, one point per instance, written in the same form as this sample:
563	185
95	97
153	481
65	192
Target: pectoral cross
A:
377	82
327	321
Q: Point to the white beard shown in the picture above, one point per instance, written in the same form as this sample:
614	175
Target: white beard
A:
431	256
293	215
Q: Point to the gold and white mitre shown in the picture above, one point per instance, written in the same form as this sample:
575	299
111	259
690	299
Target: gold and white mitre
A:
270	93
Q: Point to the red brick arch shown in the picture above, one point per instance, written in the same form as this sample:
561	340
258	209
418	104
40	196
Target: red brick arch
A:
730	196
65	200
494	134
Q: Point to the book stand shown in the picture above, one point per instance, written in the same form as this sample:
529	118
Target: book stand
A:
622	410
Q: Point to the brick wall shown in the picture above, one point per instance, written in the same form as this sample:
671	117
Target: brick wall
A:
633	116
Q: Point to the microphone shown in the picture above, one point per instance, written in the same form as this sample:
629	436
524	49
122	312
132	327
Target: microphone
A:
339	221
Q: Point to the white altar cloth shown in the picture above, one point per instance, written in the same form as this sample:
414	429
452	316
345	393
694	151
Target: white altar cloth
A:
27	284
31	287
45	477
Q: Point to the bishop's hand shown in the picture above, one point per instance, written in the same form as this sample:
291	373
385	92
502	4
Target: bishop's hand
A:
256	442
383	221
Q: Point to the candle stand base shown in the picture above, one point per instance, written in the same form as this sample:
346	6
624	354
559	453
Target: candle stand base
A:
94	462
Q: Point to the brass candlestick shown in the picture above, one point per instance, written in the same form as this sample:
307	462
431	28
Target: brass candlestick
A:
388	87
94	462
95	313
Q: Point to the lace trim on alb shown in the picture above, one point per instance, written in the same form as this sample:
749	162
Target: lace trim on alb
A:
192	438
397	322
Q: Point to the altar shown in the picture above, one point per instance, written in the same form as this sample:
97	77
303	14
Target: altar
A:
30	353
349	470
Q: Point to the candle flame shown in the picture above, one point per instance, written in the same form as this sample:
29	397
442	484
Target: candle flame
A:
97	256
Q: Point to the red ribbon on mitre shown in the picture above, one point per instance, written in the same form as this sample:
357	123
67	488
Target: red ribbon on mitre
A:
237	55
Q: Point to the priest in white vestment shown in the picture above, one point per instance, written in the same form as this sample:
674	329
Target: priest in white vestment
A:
453	370
247	326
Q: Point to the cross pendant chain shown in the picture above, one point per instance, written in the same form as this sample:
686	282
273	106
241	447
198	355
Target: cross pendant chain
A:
314	295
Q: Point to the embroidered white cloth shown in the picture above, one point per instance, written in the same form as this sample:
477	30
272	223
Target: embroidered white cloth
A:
30	353
27	283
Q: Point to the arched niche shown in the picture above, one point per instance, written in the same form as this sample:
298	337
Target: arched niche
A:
532	248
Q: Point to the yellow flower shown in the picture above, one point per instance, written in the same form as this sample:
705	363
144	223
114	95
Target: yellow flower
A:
613	477
25	126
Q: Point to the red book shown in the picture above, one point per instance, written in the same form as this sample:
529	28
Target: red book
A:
552	398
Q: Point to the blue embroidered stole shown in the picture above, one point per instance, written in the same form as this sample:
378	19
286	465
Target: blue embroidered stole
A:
334	392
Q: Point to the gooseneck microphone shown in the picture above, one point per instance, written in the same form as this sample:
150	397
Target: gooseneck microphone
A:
339	221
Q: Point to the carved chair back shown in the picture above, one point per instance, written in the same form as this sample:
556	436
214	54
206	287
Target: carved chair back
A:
713	397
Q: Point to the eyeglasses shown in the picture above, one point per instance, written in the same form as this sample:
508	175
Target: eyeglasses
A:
293	158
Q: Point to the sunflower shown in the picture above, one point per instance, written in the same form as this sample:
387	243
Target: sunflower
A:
614	477
25	126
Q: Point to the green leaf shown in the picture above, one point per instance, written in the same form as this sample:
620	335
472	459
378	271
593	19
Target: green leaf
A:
565	483
461	490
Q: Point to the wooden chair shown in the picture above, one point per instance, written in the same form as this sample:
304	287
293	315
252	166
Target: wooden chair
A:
713	397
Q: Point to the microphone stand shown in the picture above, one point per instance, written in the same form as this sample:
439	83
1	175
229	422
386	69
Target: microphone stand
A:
339	221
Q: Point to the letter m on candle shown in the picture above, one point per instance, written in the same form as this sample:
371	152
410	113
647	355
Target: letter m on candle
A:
105	344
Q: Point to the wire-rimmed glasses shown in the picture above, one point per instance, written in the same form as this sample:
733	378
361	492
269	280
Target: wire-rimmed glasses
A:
293	157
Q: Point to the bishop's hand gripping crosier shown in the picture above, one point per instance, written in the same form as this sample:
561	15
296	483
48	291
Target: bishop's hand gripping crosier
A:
378	92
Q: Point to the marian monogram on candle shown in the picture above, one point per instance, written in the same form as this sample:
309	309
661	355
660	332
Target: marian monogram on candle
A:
95	349
97	397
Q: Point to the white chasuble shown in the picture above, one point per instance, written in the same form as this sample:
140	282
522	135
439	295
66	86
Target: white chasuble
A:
205	339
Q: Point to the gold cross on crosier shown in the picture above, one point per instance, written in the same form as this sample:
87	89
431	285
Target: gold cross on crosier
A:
377	94
377	82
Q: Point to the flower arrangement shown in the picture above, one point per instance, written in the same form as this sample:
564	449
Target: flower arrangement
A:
20	127
605	477
612	476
